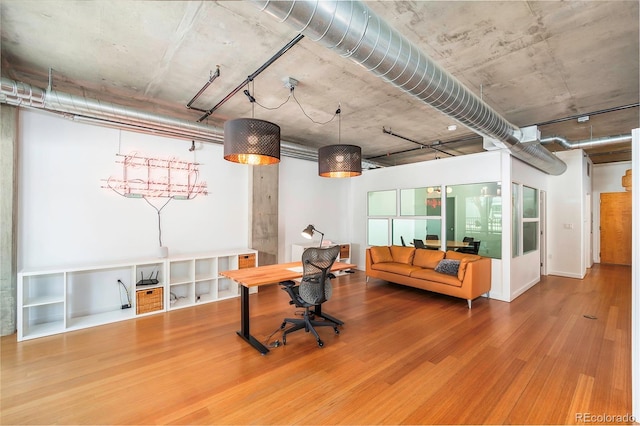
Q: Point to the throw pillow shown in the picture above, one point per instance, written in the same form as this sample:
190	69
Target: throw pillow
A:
448	266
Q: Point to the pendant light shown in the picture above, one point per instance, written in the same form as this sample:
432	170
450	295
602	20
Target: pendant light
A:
251	141
339	161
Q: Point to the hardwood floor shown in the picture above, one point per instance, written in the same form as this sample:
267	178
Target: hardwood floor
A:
404	356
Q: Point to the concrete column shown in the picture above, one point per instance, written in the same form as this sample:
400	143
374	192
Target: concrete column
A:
264	213
8	217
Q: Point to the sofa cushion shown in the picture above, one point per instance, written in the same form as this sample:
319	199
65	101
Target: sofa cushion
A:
464	259
448	266
428	258
403	254
432	275
381	254
395	268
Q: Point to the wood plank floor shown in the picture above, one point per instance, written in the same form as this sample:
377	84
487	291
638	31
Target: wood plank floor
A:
404	356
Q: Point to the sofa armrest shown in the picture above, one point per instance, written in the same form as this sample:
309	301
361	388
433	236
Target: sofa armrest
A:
368	259
477	277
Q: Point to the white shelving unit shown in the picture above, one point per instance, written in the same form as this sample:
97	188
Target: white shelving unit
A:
60	300
344	256
197	279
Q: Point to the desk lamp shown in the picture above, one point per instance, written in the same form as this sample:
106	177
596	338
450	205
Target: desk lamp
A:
308	233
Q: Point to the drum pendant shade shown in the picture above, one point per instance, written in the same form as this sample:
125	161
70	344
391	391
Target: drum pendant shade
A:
251	141
338	161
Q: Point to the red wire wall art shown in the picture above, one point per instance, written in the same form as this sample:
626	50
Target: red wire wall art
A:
149	177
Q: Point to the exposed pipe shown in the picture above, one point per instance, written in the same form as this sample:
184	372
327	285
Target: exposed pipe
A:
354	31
392	133
107	114
212	77
587	143
254	74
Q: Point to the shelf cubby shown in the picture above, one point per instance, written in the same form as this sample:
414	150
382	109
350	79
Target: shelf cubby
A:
206	291
227	288
181	271
181	295
205	269
42	320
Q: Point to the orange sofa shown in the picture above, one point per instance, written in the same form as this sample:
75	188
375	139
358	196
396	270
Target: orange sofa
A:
417	268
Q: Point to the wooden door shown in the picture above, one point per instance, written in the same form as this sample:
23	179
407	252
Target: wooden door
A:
615	228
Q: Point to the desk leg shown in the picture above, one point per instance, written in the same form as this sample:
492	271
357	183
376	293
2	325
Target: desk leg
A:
244	322
317	310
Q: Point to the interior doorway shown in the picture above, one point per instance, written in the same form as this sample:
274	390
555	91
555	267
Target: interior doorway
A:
615	228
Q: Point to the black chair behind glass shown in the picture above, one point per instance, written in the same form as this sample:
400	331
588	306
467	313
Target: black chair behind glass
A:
314	289
419	244
432	237
474	248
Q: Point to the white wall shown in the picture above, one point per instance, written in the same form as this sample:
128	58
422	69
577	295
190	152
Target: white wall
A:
565	224
606	178
66	218
524	269
306	198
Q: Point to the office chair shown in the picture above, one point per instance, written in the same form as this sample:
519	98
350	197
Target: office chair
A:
473	248
402	241
419	244
466	240
432	237
314	289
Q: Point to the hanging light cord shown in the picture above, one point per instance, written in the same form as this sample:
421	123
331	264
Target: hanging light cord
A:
291	95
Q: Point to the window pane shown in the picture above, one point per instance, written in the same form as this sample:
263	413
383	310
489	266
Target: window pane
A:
515	220
382	203
529	202
529	236
420	201
410	229
378	232
412	202
475	211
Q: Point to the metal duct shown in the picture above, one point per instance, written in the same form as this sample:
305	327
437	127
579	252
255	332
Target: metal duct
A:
587	143
107	114
353	30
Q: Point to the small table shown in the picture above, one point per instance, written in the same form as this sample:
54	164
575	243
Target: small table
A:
266	275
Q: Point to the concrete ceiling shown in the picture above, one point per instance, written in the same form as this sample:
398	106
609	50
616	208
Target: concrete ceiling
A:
534	62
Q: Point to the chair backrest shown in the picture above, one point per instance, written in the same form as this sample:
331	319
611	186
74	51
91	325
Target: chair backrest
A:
419	243
315	287
432	237
467	239
476	247
402	241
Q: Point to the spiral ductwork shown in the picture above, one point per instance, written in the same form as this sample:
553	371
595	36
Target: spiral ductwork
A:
351	29
107	114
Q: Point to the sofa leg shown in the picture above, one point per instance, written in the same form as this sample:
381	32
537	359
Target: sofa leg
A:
469	303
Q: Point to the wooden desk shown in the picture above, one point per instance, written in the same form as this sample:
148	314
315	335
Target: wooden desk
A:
266	275
450	244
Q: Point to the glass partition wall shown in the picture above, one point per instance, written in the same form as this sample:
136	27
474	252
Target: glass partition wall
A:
447	214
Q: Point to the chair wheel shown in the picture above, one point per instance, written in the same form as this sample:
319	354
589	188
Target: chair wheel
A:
284	340
336	330
320	343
